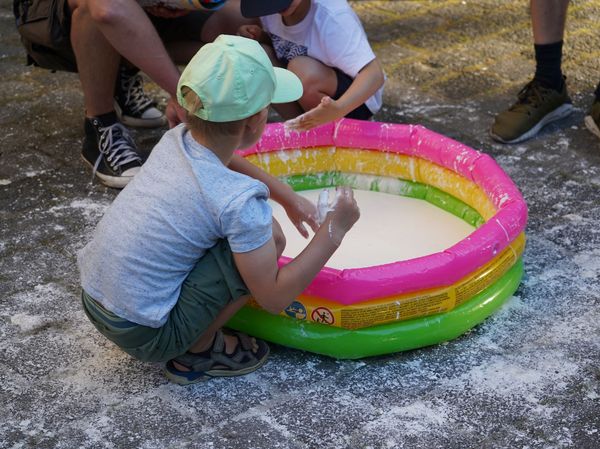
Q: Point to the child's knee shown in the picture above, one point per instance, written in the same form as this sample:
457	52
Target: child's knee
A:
305	68
317	80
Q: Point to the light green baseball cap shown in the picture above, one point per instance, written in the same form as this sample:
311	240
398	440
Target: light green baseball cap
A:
234	79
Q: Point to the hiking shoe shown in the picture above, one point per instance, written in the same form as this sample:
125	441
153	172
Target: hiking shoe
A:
536	107
133	106
110	150
592	121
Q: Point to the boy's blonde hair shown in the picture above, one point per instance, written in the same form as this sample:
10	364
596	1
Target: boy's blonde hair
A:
210	129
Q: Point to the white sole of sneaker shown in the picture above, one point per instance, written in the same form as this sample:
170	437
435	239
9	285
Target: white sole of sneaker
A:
559	113
116	182
591	125
139	122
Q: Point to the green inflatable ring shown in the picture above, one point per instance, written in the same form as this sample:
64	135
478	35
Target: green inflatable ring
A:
383	339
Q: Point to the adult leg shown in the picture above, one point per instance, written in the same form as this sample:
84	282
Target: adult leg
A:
124	25
548	19
548	22
545	98
97	60
107	147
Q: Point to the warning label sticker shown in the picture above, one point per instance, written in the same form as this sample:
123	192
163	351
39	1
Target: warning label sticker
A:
410	305
322	315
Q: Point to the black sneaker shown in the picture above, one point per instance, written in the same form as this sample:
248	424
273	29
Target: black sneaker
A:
133	106
110	150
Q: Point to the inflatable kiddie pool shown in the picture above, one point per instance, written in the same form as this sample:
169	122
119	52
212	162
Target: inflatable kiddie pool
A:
359	312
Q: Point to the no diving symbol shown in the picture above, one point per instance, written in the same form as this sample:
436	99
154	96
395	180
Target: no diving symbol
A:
322	315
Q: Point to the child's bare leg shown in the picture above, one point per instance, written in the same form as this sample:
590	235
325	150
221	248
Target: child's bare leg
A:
318	80
206	339
285	110
231	341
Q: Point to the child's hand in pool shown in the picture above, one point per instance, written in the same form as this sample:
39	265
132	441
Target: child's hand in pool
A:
343	215
300	210
326	111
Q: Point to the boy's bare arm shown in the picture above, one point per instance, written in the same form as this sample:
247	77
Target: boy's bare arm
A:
367	82
275	288
298	208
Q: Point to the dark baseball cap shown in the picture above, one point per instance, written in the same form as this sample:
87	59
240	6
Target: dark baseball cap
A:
258	8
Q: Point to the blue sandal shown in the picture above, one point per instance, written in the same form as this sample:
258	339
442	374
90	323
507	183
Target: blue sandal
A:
218	363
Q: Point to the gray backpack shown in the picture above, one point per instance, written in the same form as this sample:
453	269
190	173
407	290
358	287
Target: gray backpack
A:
44	26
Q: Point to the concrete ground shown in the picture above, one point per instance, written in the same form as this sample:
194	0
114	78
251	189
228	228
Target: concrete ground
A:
528	377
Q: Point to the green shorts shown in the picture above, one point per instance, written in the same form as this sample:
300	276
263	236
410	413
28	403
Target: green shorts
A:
212	284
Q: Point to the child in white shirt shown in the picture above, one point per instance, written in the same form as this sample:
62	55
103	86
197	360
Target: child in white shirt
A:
325	45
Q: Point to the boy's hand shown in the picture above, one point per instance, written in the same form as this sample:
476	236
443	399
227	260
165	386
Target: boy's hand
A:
175	113
344	214
251	32
301	210
327	111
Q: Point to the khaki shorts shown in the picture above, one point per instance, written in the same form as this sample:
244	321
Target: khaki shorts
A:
211	285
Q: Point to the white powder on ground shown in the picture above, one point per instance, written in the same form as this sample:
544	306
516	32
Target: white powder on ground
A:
27	322
413	418
390	228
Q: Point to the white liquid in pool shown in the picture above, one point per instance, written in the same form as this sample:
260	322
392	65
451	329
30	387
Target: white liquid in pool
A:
390	228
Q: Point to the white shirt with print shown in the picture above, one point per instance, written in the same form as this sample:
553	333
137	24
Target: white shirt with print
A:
331	33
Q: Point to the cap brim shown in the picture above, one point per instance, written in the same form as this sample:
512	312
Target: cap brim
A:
288	88
259	8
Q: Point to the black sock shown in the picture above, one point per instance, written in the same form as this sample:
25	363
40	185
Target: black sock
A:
597	92
548	65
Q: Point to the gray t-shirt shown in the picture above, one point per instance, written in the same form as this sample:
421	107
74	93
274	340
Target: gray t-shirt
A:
180	203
